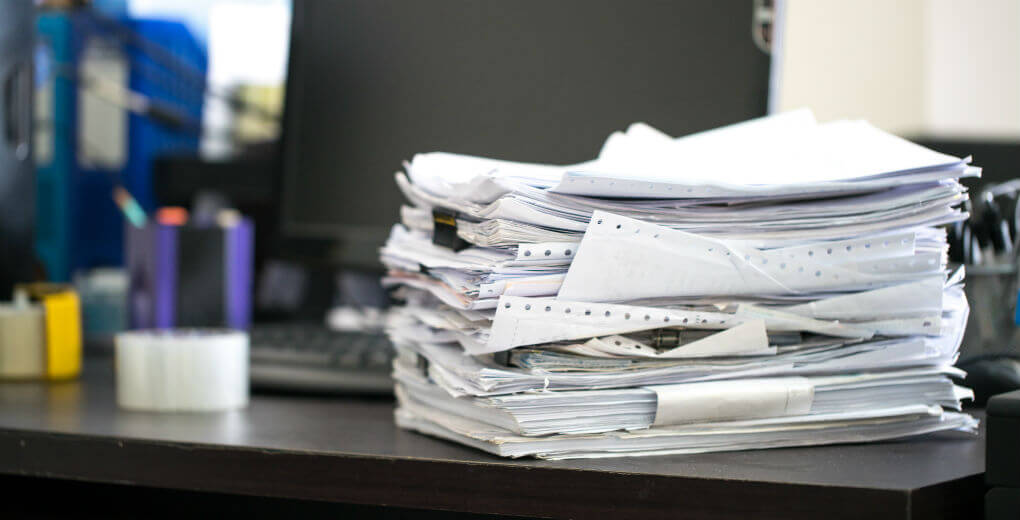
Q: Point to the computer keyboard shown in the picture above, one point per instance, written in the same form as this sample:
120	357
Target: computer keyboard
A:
311	357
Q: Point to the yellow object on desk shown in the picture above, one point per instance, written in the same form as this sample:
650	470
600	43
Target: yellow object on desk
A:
40	333
63	334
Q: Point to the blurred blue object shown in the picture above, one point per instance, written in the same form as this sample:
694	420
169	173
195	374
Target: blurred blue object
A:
80	226
182	88
103	294
117	8
56	170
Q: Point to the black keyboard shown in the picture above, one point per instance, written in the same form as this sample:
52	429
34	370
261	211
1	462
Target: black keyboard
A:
313	358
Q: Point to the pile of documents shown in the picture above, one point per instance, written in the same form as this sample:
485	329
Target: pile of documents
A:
777	282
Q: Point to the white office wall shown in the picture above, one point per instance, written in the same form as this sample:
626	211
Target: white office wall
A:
247	43
939	68
973	68
860	59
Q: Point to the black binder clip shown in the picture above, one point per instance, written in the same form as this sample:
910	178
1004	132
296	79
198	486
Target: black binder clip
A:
444	230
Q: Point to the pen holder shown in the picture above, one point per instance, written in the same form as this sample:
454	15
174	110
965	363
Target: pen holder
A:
185	276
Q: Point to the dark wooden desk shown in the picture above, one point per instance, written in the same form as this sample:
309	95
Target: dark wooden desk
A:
348	450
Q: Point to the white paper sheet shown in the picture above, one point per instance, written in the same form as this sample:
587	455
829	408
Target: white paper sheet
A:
623	259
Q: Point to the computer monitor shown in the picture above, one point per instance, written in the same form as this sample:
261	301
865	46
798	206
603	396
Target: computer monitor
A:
372	82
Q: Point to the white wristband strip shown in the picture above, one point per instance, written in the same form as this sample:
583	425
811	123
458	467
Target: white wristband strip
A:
732	400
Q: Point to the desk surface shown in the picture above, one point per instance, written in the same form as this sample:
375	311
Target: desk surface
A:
348	450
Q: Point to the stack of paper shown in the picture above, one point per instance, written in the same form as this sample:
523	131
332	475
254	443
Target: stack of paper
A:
773	283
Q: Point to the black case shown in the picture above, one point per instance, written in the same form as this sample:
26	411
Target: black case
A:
17	179
1002	504
1002	455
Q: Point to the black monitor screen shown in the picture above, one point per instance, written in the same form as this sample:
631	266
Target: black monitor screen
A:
372	82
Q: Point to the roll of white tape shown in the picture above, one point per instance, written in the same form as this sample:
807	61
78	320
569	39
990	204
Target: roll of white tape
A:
182	370
22	341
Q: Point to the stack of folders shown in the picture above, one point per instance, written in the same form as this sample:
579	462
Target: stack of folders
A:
777	282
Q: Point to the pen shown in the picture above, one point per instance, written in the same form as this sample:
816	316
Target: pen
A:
129	206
